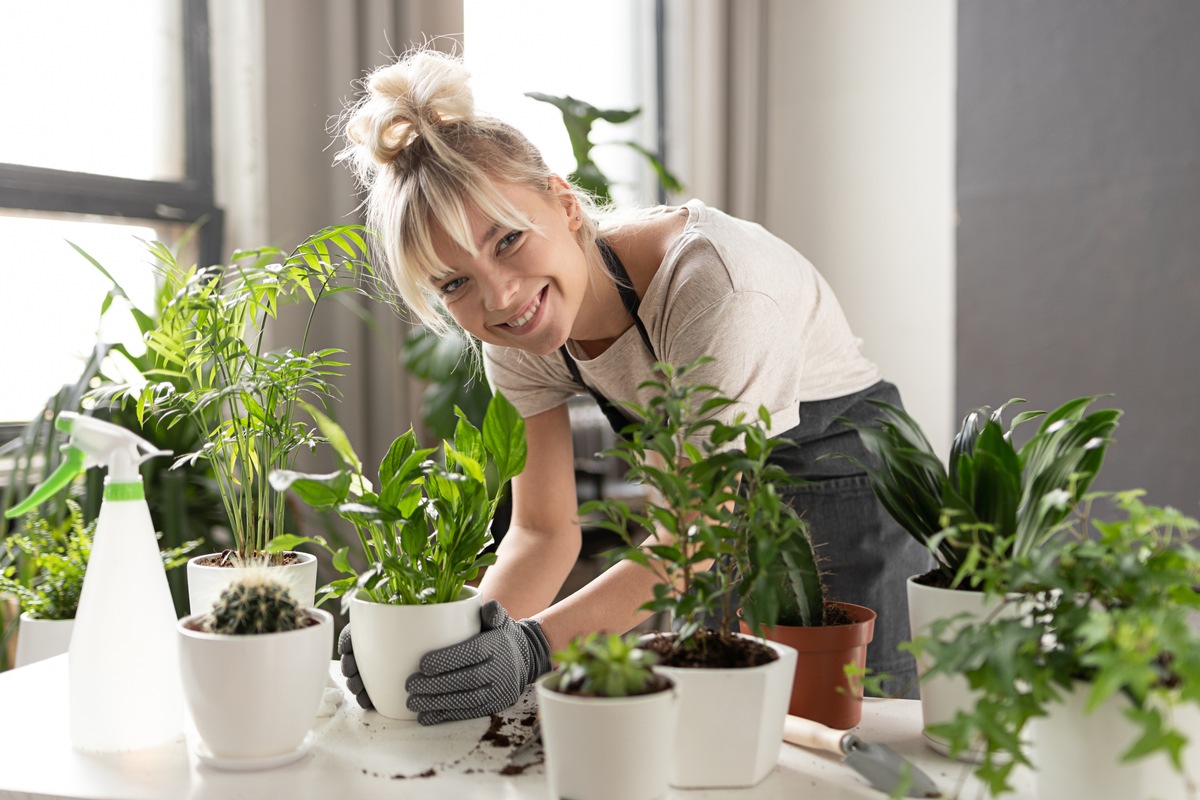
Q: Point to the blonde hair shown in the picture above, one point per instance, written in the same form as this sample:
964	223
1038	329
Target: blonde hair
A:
426	159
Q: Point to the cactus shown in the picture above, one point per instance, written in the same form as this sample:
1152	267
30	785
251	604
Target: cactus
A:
255	603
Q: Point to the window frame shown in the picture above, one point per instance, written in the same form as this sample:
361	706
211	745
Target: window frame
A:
189	200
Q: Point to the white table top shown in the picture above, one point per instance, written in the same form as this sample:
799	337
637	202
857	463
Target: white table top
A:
359	754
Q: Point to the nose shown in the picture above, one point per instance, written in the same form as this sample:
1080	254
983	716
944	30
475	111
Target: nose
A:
499	289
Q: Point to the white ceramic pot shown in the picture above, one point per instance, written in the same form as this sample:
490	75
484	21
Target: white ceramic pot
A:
944	695
254	697
38	639
389	641
730	721
1077	754
205	583
598	748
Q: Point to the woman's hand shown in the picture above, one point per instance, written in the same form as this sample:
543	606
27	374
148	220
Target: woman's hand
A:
483	675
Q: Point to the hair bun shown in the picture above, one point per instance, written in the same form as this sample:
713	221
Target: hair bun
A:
405	100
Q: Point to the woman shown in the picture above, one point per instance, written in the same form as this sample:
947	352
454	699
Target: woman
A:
566	299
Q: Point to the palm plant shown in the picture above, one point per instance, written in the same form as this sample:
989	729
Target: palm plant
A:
211	370
992	498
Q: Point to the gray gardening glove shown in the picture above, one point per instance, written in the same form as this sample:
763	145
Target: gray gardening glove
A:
483	675
350	669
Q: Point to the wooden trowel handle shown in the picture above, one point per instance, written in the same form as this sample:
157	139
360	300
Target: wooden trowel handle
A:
814	735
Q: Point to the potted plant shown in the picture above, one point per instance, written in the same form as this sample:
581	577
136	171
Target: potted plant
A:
1095	681
783	597
608	721
211	372
729	682
254	671
47	562
993	498
423	527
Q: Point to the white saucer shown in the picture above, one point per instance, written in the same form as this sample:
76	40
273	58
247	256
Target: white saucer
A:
251	764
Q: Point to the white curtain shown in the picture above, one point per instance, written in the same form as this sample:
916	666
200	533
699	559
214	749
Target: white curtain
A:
283	71
716	79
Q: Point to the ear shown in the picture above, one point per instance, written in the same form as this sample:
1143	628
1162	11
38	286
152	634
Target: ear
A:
566	198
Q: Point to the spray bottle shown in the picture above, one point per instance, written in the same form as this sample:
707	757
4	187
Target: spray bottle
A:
123	664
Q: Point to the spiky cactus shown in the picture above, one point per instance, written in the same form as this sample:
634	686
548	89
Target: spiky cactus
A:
255	603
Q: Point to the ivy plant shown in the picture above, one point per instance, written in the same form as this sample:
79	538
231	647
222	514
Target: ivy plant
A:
1104	605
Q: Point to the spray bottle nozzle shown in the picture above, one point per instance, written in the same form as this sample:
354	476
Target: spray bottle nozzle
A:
93	442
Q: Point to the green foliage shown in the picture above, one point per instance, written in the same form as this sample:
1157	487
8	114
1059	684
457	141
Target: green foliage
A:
447	365
1105	605
993	499
424	529
715	502
255	603
605	665
578	118
210	370
47	561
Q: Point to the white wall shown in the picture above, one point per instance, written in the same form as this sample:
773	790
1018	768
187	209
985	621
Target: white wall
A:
859	171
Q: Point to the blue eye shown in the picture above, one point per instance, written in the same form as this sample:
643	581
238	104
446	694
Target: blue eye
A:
508	241
453	286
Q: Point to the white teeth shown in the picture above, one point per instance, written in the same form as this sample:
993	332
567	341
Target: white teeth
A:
528	315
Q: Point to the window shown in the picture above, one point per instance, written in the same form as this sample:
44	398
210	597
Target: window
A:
602	52
113	143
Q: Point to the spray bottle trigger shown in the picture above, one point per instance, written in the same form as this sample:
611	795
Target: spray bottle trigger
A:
74	462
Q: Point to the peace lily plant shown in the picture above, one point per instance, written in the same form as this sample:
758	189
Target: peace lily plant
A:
423	526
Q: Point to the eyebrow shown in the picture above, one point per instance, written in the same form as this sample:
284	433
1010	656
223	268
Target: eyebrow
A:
487	237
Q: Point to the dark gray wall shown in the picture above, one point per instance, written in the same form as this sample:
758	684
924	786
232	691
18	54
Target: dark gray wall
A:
1079	235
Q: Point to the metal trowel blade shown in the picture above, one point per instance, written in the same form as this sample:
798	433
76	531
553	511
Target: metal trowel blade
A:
886	769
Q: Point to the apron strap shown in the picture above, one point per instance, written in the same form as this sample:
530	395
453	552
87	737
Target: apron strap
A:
629	298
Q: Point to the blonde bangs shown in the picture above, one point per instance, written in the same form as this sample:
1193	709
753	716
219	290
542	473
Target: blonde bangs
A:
429	203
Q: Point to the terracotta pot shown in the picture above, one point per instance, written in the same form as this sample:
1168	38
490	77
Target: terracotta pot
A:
821	691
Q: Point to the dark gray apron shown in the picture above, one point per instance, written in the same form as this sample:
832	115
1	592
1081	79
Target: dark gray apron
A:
866	556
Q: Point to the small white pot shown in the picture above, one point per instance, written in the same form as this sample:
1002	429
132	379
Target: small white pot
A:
389	641
730	724
38	639
942	696
206	583
1077	754
598	748
254	697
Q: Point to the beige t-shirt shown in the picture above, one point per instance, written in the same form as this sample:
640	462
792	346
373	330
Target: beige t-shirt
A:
728	289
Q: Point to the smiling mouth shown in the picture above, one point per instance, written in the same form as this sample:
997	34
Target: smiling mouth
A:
523	319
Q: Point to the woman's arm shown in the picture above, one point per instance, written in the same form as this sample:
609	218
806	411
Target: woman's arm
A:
543	538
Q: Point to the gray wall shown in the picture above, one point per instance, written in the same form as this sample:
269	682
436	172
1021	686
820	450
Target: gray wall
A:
1079	235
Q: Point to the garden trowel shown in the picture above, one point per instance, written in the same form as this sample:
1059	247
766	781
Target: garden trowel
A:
883	767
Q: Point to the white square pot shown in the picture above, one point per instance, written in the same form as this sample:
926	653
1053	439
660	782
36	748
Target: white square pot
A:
730	724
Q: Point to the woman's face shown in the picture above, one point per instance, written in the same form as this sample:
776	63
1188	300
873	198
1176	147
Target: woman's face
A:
526	286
